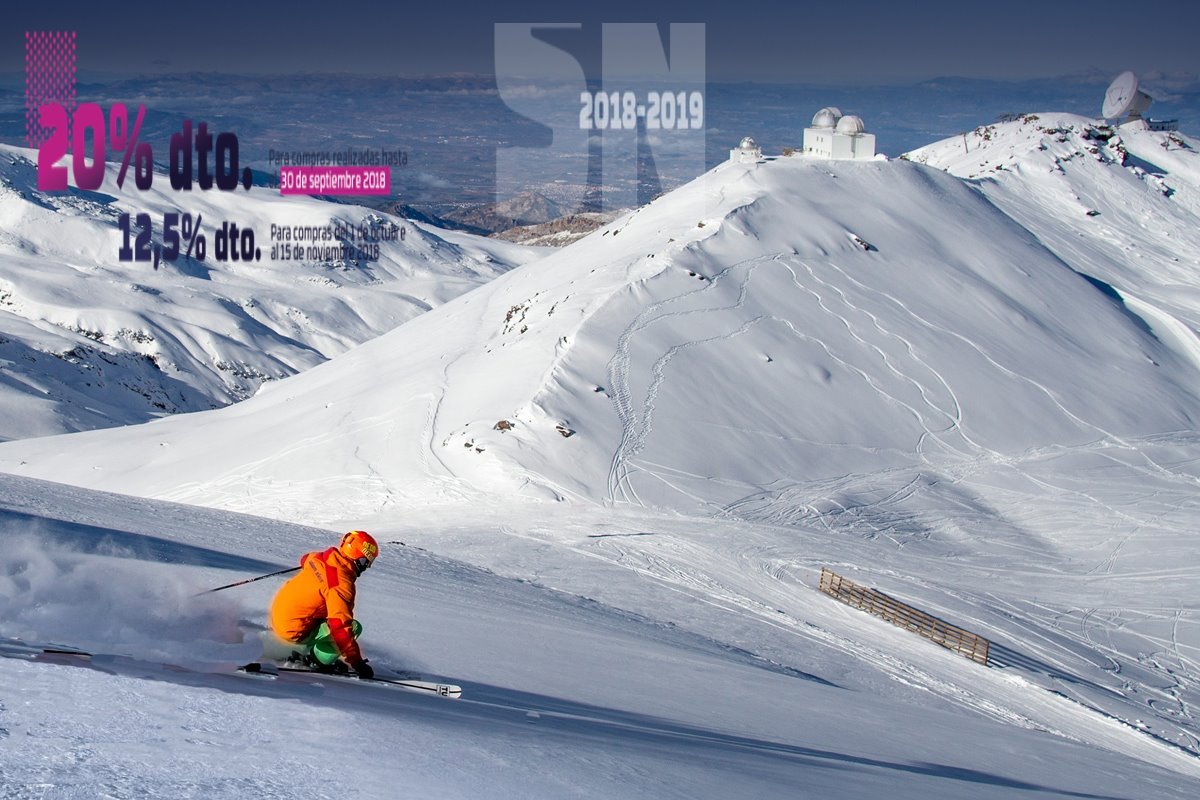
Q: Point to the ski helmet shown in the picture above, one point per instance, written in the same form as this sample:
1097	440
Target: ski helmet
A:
361	548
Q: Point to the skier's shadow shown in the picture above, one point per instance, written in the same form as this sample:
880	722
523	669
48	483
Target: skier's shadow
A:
587	721
502	710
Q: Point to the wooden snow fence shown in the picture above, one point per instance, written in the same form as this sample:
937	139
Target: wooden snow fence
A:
963	642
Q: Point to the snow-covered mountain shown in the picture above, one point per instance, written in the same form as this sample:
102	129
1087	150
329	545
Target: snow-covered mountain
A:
558	232
766	326
876	366
1121	204
527	208
87	341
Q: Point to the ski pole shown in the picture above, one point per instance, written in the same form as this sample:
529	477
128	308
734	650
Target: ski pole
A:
248	580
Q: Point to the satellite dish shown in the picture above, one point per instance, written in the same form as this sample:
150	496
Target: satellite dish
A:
1124	98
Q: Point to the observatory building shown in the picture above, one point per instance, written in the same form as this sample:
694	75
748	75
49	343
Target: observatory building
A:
832	135
747	151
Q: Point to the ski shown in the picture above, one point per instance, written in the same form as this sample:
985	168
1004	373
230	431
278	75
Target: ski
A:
447	690
256	670
13	648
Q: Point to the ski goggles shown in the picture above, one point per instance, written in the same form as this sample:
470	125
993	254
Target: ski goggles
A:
361	563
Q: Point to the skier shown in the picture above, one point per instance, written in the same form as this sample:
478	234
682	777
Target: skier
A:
315	609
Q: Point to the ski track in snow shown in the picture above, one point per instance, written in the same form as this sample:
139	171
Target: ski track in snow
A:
636	420
633	430
637	425
954	417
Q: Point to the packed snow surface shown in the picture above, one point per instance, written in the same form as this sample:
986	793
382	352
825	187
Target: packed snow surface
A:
565	694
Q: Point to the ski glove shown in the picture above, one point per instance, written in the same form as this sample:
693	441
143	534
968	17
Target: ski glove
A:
364	670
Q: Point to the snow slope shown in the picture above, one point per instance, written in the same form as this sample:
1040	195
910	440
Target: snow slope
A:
765	326
87	341
1119	204
564	696
777	367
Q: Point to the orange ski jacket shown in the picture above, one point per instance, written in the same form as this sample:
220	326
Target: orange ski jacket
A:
323	591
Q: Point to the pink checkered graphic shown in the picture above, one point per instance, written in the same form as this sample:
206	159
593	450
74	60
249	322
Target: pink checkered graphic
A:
49	78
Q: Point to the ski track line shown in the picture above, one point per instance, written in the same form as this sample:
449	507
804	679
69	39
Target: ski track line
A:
636	431
957	415
619	370
864	375
664	473
954	418
1049	651
935	327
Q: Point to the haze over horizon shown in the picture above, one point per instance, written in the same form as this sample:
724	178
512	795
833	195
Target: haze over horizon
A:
808	42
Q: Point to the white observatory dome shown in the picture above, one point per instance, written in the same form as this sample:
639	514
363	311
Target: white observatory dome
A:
748	144
826	118
851	125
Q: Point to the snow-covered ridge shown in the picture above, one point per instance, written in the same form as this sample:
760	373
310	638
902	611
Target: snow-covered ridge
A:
1169	161
764	326
1121	204
87	341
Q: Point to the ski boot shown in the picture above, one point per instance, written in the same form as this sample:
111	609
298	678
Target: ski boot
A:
307	661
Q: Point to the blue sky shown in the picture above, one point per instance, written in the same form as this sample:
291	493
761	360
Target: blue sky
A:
866	42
